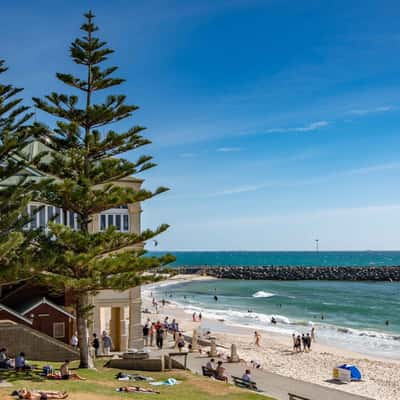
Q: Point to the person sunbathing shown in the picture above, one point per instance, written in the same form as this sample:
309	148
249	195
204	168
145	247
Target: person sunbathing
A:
40	394
132	389
66	373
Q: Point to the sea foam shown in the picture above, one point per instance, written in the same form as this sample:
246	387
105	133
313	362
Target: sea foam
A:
261	293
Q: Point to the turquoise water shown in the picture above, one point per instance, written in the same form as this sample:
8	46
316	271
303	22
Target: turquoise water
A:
354	313
305	258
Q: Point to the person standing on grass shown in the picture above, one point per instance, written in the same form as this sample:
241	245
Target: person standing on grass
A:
74	340
96	344
107	343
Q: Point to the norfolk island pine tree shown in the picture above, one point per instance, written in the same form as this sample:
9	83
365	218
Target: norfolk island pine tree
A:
85	164
16	245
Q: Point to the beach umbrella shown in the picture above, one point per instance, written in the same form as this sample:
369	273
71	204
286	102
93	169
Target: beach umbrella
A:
355	372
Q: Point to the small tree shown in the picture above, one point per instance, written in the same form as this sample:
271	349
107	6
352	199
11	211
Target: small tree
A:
85	167
15	190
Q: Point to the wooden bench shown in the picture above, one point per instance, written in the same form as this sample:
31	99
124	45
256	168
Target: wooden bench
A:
245	384
207	372
296	397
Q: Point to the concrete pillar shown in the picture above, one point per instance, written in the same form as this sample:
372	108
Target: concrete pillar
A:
194	341
234	355
124	330
135	339
213	349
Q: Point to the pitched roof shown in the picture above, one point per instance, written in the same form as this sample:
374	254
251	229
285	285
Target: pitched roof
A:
33	303
15	314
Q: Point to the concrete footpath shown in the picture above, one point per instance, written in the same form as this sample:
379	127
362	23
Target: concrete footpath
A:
278	386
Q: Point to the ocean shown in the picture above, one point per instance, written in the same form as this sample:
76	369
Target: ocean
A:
360	316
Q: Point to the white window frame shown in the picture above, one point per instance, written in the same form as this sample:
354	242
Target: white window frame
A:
113	212
58	325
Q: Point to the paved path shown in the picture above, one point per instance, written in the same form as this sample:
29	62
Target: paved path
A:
278	386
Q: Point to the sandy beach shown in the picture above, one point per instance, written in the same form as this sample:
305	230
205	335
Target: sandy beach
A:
381	377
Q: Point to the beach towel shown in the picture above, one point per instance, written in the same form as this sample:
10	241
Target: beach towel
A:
122	376
167	382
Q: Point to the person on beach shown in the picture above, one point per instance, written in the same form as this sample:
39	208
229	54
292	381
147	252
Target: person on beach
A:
298	344
304	342
152	333
257	338
220	373
200	316
294	341
180	342
194	317
160	337
313	334
308	342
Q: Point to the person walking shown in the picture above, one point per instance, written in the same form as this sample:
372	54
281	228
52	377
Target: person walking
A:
257	338
152	333
96	344
74	340
107	343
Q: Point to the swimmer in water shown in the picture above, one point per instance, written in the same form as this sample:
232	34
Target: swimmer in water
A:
216	298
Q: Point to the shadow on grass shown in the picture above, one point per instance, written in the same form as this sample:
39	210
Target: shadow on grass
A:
12	376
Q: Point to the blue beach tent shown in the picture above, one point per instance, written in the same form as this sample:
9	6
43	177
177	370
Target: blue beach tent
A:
355	372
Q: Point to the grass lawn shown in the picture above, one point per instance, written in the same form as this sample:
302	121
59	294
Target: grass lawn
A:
101	384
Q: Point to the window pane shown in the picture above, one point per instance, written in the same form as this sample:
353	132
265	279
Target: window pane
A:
58	215
71	219
42	217
102	222
65	216
110	220
33	215
118	222
50	213
126	223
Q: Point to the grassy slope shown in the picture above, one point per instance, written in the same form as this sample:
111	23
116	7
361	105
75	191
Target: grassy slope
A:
101	384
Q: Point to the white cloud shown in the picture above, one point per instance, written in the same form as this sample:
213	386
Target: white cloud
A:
229	149
366	111
313	126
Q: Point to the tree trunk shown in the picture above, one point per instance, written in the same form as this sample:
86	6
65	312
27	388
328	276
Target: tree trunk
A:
81	324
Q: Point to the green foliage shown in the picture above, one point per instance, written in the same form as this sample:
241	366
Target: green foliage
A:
86	165
15	191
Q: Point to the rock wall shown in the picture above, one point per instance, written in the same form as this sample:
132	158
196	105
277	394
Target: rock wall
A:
294	273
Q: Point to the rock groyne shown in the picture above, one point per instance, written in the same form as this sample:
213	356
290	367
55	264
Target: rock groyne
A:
295	273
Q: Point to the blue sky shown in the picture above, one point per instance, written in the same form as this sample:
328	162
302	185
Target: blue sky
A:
273	122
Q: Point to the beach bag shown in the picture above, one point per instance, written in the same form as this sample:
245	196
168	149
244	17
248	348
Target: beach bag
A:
48	370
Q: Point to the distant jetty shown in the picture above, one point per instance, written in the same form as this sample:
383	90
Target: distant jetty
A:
296	273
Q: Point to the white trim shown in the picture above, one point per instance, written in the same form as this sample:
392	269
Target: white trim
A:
49	303
12	312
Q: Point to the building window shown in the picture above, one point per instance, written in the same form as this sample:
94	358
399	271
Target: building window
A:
42	217
117	217
103	222
33	216
59	330
126	222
